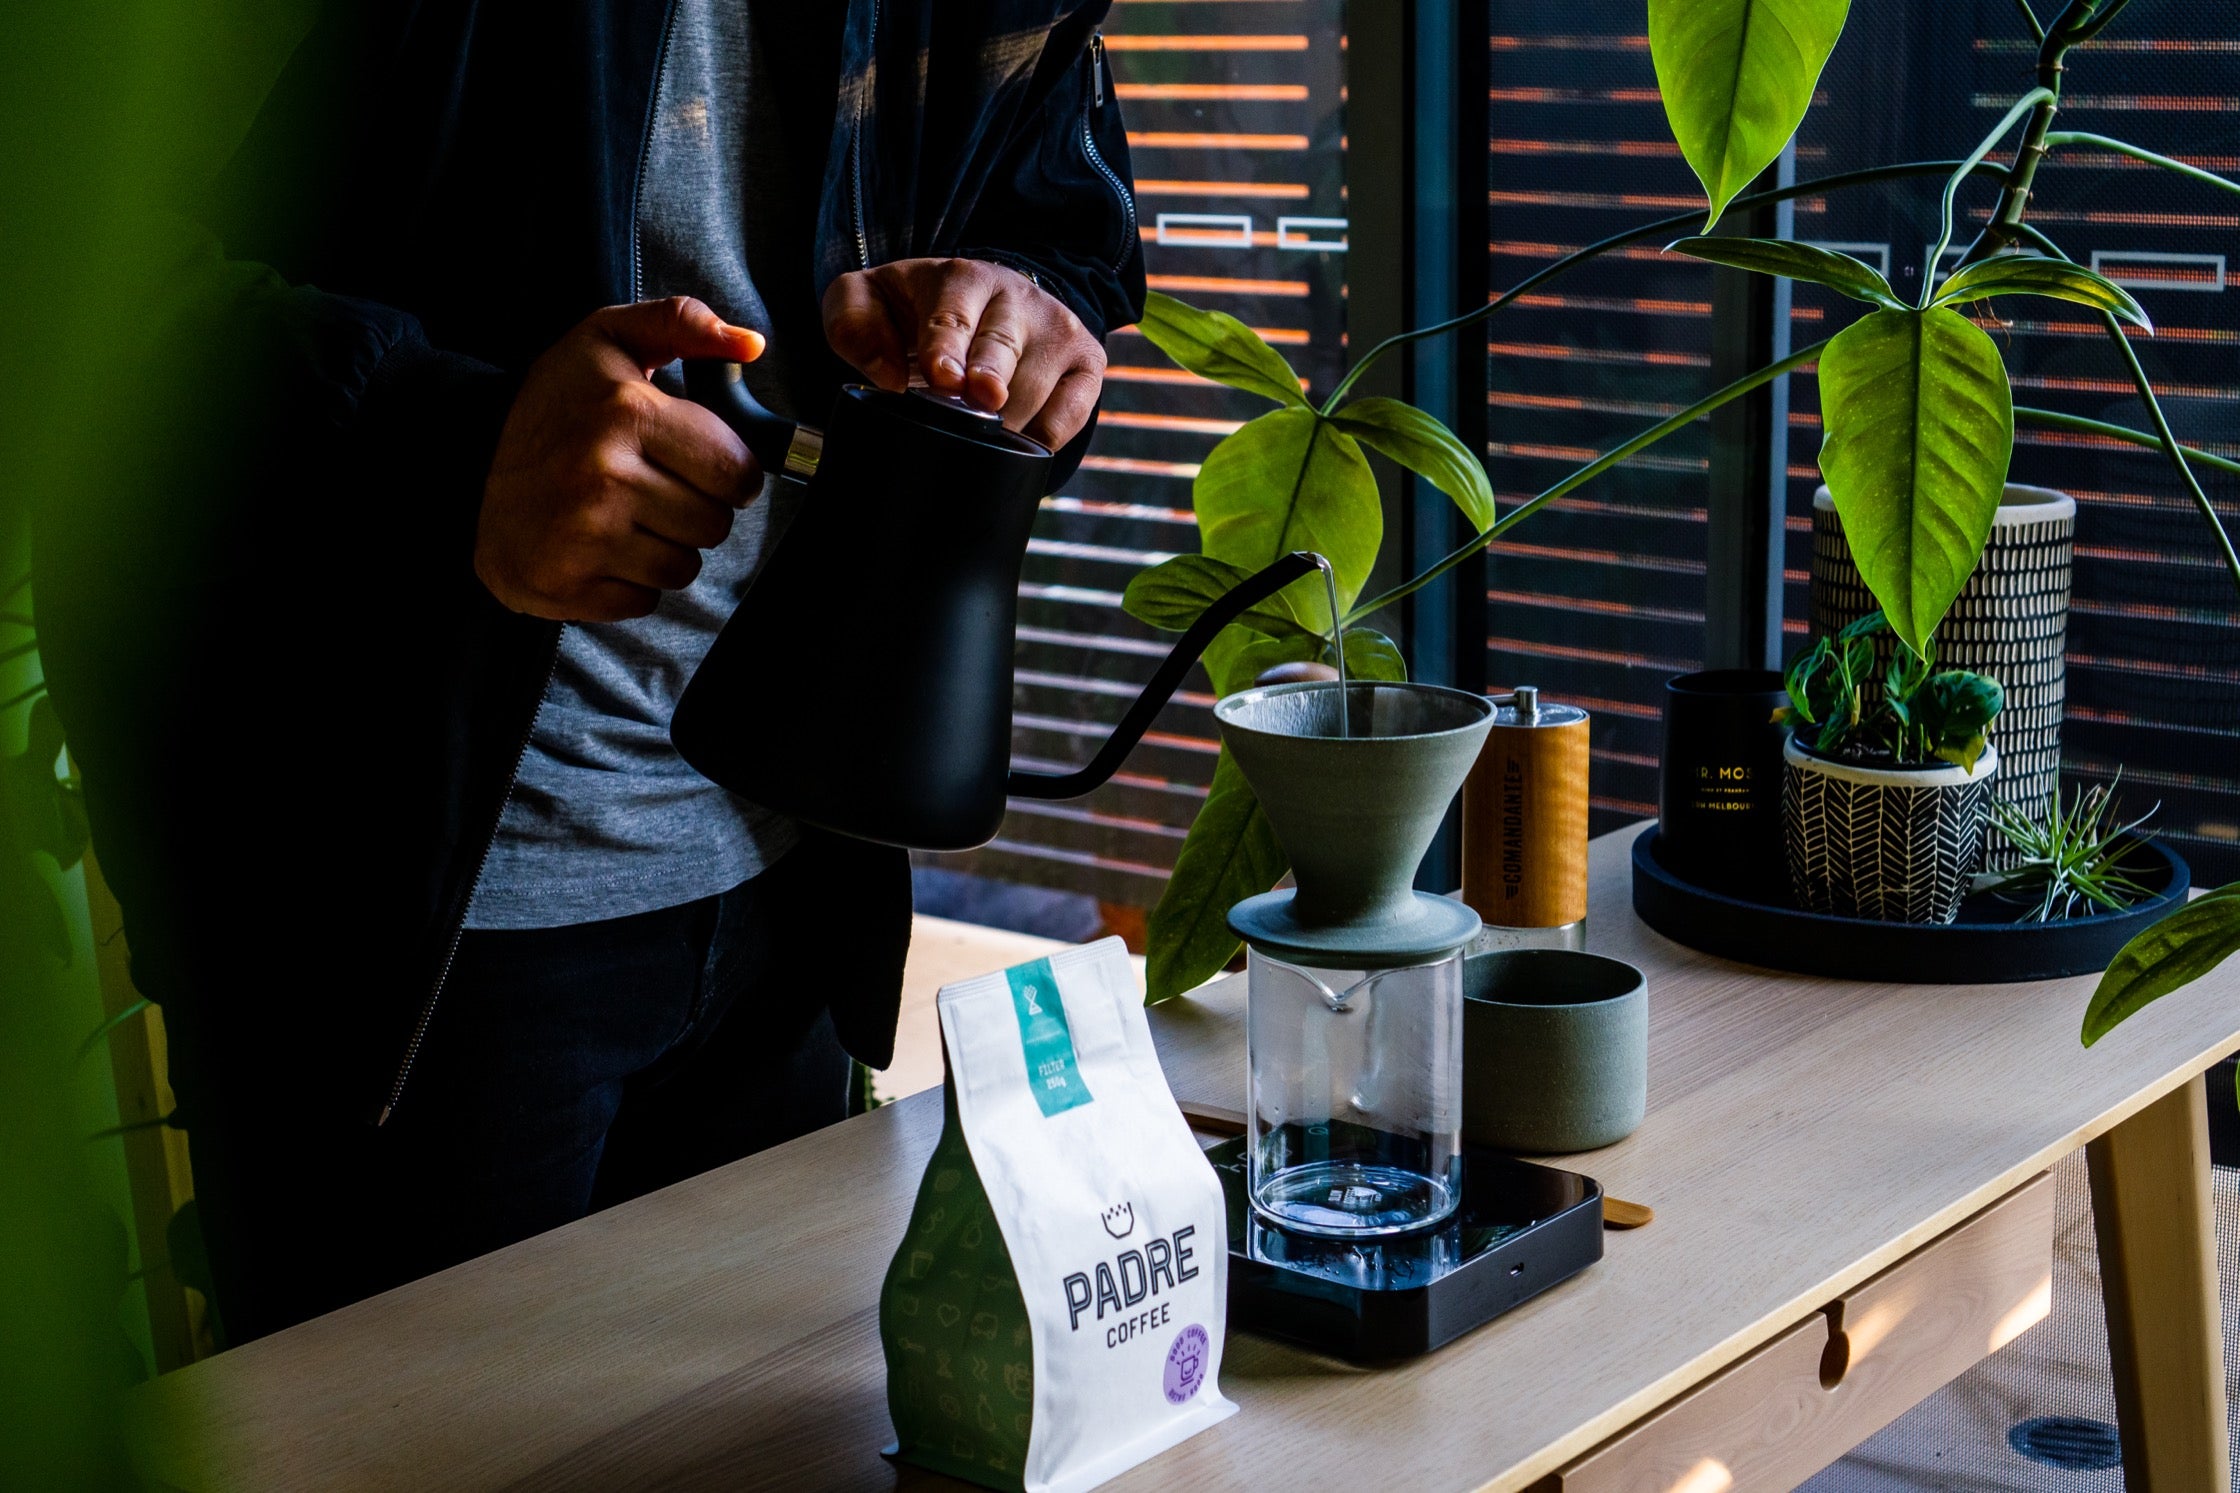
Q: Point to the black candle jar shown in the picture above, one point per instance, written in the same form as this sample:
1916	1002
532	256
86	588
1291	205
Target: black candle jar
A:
1719	788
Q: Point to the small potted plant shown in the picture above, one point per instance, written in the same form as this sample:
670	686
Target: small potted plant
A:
1886	779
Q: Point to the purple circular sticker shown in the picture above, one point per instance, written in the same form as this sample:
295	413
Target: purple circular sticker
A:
1186	1363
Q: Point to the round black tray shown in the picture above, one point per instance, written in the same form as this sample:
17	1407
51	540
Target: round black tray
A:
1985	946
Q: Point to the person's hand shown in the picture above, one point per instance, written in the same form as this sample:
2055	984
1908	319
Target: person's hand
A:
976	329
604	490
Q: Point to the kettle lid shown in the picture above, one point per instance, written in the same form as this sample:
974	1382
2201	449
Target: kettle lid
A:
951	414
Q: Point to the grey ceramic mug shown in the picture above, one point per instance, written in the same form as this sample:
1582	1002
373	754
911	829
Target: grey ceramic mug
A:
1555	1050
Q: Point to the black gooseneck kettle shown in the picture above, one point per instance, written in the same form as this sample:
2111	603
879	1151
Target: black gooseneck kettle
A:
864	683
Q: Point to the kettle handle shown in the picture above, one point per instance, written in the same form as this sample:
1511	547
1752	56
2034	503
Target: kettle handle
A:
1247	593
779	444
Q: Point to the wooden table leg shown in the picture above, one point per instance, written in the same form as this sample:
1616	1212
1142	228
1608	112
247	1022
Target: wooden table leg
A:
2151	1208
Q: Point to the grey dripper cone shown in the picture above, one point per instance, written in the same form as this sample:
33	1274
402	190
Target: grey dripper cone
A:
1354	815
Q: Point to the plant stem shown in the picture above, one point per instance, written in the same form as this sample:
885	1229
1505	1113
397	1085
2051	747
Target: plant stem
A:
2140	153
30	694
1588	473
2079	21
2036	98
2170	447
1657	229
2056	420
2030	17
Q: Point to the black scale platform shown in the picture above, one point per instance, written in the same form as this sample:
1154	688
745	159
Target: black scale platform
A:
1520	1229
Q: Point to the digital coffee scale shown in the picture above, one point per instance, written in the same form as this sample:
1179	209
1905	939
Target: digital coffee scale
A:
1520	1228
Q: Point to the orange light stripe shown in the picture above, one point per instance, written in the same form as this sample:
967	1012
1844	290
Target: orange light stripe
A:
1191	424
1132	373
2156	103
1502	146
1226	285
1273	336
1243	92
1501	43
1205	43
1131	466
1154	187
1211	140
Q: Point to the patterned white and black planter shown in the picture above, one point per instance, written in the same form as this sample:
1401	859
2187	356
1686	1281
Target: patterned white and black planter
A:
2011	622
1896	844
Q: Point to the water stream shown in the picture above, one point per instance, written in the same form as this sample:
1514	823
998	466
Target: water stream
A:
1337	642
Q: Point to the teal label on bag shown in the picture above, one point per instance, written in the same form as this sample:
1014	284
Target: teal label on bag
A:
1051	1070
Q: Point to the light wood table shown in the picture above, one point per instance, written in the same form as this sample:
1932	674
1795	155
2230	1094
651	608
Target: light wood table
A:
1803	1135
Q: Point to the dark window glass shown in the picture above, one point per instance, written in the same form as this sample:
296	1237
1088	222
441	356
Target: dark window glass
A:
2154	633
1235	123
1599	598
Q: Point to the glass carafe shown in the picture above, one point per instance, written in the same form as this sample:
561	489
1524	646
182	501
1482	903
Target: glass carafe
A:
1356	1095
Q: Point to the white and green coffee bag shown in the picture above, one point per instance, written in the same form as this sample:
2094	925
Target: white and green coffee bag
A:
1054	1315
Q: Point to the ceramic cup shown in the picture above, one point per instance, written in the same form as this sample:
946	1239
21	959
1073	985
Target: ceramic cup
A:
1719	783
1555	1050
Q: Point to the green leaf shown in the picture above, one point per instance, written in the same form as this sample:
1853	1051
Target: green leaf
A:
1215	345
1920	428
1173	593
2031	274
1239	656
1372	655
2173	953
1777	256
1426	447
1291	480
1737	76
1230	854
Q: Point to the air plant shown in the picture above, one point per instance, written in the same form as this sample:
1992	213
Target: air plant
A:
2072	857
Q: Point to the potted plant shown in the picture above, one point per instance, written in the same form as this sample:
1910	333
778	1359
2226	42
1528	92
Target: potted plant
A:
1918	410
1886	779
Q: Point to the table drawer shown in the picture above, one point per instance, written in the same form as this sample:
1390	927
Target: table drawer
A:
1772	1419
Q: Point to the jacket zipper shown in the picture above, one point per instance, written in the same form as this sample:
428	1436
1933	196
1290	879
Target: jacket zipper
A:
552	667
1089	144
645	150
459	923
855	156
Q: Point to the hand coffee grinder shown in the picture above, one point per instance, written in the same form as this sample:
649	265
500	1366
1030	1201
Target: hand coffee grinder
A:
1359	1225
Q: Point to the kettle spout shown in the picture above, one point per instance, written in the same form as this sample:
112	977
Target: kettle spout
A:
781	445
1247	593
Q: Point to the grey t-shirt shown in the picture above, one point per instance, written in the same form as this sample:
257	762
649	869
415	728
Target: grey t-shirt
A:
605	819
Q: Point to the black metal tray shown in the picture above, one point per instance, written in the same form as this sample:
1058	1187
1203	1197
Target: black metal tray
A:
1520	1229
1985	946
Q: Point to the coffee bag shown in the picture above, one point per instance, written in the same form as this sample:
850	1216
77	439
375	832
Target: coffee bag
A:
1054	1314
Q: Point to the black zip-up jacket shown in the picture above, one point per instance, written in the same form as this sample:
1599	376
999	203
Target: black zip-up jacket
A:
296	712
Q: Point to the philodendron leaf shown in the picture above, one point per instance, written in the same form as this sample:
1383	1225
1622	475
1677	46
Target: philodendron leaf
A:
1173	593
1230	854
2173	953
2032	274
1372	655
1779	256
1291	480
1215	345
1424	446
1920	428
1737	76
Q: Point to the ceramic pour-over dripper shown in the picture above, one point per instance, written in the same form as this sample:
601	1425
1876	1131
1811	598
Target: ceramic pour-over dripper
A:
1353	1006
1354	814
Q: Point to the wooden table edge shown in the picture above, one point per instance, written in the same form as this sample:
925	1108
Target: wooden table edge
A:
1592	1433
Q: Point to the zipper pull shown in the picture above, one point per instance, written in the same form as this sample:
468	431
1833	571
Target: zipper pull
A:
1096	66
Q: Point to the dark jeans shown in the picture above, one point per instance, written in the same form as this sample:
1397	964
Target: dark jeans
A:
565	1070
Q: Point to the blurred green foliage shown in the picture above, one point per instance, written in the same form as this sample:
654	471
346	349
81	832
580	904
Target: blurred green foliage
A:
112	116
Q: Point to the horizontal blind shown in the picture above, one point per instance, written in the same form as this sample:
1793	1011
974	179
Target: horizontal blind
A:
1235	125
1599	598
2154	632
